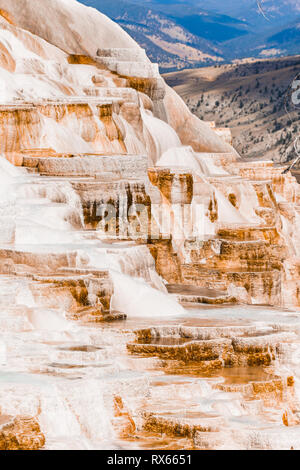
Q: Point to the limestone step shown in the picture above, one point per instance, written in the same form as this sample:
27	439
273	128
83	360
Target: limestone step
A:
219	158
247	349
63	101
210	440
255	271
261	171
262	343
181	349
254	285
256	388
277	437
296	174
203	332
75	271
153	441
98	314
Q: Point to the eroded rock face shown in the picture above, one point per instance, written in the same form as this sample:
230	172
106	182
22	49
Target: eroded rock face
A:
96	120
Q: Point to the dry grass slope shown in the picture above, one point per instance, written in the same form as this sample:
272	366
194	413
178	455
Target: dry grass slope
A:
253	98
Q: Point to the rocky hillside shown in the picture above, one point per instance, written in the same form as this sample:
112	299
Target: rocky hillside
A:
253	98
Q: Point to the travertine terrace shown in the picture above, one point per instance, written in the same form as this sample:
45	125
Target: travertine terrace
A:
150	278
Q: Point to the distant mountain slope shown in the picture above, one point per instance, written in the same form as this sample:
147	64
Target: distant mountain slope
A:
254	99
193	33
